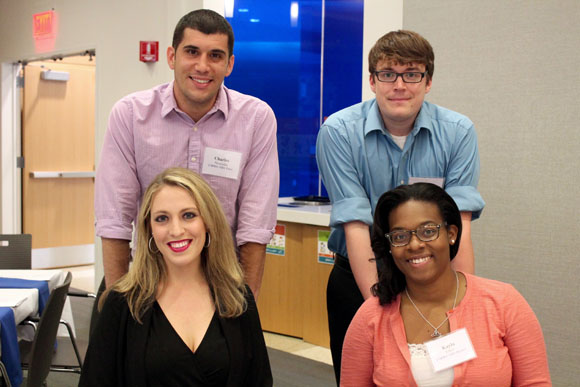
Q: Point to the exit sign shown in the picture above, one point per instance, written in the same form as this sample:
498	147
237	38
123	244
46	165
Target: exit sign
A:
43	25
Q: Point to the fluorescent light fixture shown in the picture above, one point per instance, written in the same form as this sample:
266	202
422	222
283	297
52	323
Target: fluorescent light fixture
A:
49	75
229	8
294	13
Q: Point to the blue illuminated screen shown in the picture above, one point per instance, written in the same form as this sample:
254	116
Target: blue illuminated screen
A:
278	59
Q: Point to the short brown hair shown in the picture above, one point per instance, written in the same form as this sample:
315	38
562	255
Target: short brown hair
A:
207	22
403	47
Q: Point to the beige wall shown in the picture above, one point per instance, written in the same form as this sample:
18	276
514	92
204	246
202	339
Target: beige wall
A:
512	67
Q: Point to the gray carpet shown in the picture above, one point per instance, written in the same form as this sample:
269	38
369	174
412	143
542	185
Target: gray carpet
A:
288	370
295	371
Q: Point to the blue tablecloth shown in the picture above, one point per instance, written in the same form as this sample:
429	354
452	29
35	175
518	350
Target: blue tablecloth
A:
17	283
10	350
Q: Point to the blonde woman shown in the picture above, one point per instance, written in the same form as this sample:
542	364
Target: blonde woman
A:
182	315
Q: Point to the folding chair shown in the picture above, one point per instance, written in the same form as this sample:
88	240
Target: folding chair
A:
36	356
71	351
5	381
15	251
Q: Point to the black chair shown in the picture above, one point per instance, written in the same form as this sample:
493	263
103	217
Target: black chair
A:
5	381
36	356
16	251
71	351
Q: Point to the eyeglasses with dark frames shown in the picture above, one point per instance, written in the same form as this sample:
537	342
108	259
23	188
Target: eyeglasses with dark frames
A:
408	77
426	233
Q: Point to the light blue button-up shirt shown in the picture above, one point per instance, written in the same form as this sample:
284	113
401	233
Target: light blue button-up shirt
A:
359	161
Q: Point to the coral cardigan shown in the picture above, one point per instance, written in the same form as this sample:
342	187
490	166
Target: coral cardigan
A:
505	333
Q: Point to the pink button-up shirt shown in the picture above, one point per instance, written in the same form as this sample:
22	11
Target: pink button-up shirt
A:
148	133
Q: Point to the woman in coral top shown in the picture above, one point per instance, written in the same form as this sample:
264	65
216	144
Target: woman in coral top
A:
427	317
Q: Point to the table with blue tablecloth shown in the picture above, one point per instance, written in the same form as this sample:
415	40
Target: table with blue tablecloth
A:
15	306
23	293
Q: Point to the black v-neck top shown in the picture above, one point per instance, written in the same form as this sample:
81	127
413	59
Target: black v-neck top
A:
170	362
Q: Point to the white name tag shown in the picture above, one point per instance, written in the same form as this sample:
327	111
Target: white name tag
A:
433	180
450	350
219	162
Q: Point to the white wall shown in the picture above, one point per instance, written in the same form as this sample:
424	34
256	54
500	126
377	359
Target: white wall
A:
380	17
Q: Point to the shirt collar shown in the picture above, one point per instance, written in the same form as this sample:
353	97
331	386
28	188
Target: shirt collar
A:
222	102
423	119
375	120
169	103
168	100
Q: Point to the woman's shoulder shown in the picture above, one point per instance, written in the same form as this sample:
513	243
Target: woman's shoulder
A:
373	308
114	301
487	285
251	307
497	292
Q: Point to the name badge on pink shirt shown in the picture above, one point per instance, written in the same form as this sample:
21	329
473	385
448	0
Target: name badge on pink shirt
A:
450	350
219	162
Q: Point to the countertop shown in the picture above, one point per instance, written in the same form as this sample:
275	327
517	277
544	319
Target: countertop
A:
316	215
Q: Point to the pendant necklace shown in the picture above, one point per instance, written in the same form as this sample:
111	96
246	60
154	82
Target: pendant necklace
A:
436	332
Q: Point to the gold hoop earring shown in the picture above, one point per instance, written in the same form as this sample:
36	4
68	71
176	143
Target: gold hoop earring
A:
150	248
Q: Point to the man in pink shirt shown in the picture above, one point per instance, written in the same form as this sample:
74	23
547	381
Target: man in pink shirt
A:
193	122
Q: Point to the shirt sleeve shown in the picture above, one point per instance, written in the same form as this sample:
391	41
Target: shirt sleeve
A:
357	351
258	193
117	189
334	156
463	171
525	343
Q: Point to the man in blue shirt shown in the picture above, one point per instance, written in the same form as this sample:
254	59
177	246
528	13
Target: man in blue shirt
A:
371	147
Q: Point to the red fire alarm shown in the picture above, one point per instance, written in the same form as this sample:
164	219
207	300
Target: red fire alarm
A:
148	51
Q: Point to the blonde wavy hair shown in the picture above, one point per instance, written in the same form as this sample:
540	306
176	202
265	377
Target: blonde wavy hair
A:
218	261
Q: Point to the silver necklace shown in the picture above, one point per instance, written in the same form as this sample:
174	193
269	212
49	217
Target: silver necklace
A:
436	332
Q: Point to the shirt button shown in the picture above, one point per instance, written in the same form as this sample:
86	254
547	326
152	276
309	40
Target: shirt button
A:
195	128
193	159
402	181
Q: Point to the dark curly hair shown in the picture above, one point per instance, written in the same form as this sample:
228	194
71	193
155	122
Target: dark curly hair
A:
391	280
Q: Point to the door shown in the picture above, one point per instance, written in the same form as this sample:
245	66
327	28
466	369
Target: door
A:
58	120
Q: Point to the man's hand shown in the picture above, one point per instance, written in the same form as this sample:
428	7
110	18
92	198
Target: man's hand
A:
464	260
358	245
252	259
116	257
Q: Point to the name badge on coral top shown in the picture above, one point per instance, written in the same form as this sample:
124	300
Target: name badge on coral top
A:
450	350
219	162
433	180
